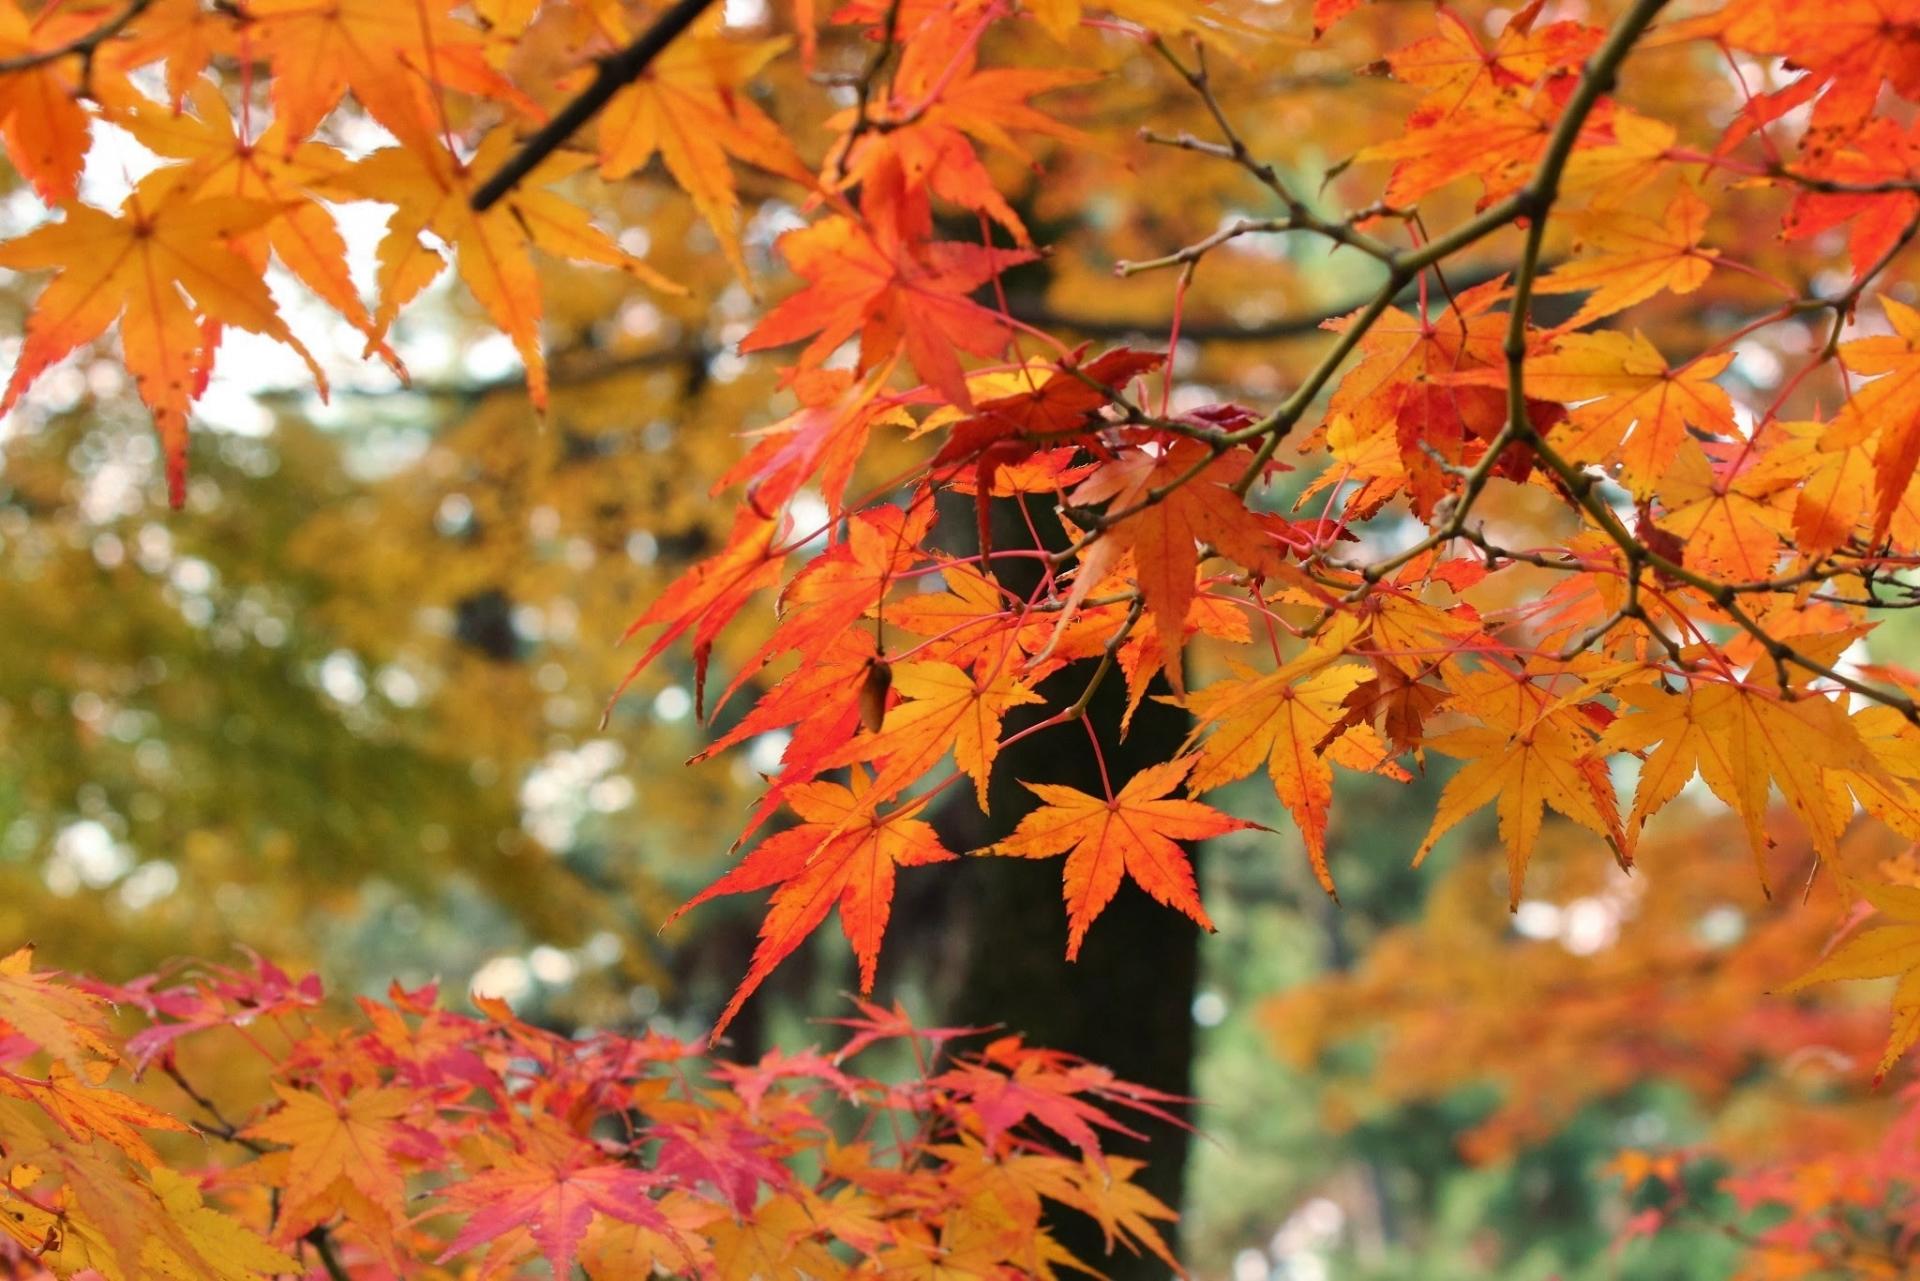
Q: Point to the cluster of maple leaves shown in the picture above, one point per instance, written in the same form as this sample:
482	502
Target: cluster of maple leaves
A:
1717	560
413	1141
1725	557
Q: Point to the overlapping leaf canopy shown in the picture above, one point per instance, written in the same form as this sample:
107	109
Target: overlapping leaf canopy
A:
1524	520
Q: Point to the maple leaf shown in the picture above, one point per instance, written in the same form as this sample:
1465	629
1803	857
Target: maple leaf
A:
552	1185
224	1248
185	34
820	442
1741	740
777	1242
393	56
84	1108
1011	1082
221	161
222	998
689	107
1455	68
875	1024
46	132
1290	720
1327	12
1496	137
1527	754
709	594
1846	49
1727	522
1882	951
942	709
1879	152
66	1022
841	853
939	99
1631	257
1887	408
1631	405
1836	498
1107	839
142	268
350	1138
845	583
1165	536
822	698
614	1250
898	293
104	1217
1061	404
432	191
1411	392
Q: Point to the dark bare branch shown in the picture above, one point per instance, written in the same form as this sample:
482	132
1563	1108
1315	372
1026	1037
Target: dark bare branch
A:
617	71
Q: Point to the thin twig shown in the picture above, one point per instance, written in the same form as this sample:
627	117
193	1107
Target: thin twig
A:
82	46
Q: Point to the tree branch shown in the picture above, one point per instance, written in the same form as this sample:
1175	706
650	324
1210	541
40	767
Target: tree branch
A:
80	46
617	71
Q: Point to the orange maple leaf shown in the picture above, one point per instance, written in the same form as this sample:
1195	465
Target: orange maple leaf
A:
222	161
1109	838
845	583
86	1109
709	594
1882	951
161	268
45	129
943	709
1886	410
1528	753
1729	522
940	103
432	190
1455	67
393	54
690	108
842	853
1629	405
1631	257
896	291
1165	536
348	1138
1743	741
66	1022
1294	720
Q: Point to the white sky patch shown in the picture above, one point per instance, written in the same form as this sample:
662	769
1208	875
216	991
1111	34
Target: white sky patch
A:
745	13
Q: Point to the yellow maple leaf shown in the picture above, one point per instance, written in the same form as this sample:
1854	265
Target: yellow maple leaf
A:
1286	720
1743	741
691	110
1882	951
1631	257
432	190
64	1021
348	1138
162	267
1529	754
944	709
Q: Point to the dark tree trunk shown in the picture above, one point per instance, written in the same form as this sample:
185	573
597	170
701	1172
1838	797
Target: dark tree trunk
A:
1127	1002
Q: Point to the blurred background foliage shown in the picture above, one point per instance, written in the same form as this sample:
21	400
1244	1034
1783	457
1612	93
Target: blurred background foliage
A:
346	710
